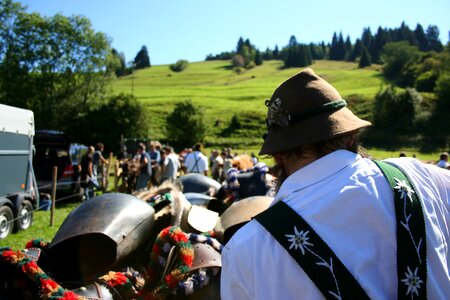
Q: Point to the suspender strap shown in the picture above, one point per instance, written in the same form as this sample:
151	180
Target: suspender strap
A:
310	252
411	238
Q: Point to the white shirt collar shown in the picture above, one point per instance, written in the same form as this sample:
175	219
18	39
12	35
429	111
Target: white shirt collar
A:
316	171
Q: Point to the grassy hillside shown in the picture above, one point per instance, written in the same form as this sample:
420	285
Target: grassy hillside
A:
223	93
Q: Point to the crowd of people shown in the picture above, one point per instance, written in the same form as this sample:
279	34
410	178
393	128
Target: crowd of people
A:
160	163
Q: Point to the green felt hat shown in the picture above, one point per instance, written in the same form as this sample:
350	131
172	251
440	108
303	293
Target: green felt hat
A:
306	109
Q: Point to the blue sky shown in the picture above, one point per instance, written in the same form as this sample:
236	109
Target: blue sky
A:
191	29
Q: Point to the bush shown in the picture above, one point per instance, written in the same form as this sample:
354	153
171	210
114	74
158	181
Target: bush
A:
426	82
238	61
186	125
179	66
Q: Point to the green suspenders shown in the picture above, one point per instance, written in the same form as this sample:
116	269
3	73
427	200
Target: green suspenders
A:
325	269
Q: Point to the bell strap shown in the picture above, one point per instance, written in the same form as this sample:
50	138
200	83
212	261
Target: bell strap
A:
411	235
310	252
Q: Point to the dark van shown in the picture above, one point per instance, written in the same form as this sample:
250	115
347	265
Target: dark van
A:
53	148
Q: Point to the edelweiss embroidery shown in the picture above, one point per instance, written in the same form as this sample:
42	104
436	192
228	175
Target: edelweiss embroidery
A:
404	189
412	281
277	115
406	192
299	240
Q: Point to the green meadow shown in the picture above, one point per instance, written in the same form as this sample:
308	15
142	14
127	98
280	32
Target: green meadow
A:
222	93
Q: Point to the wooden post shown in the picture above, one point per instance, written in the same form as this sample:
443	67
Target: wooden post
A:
52	209
107	170
116	175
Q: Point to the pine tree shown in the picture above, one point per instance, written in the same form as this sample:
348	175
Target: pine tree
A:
240	44
340	48
432	36
348	49
276	53
422	42
334	47
142	60
365	60
258	58
367	37
356	50
381	38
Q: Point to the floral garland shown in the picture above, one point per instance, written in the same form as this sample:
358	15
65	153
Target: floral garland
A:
50	289
38	243
121	283
169	236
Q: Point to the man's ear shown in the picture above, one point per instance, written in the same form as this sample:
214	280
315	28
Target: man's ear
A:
279	159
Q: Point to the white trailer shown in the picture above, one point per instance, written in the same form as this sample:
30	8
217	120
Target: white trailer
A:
18	189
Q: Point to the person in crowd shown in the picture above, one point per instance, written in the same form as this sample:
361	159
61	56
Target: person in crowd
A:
227	163
145	168
155	157
99	162
216	165
87	178
196	161
254	158
443	161
341	225
402	154
171	164
122	154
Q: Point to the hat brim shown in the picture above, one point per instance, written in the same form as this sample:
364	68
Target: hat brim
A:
313	129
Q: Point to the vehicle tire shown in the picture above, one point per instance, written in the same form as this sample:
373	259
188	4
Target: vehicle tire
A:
24	216
6	224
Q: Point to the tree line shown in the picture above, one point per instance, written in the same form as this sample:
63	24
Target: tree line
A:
366	50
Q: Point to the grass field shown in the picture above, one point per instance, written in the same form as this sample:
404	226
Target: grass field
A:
223	93
40	227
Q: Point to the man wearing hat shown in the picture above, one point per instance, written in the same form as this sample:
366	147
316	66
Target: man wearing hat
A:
341	226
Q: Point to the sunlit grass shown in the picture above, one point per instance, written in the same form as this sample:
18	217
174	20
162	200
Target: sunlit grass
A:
223	92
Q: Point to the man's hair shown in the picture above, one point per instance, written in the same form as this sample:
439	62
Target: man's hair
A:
444	156
141	146
99	146
197	147
345	142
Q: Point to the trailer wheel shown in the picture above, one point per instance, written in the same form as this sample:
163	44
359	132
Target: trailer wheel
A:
24	216
6	223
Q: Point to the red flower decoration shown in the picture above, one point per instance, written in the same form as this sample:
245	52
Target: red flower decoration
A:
30	267
171	281
118	279
48	285
70	296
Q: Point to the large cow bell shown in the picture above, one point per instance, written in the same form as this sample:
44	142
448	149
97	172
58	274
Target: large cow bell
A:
199	183
100	235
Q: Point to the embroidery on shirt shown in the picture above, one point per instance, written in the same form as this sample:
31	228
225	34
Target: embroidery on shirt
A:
299	240
412	280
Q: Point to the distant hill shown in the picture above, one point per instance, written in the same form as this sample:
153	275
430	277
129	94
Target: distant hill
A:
224	93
